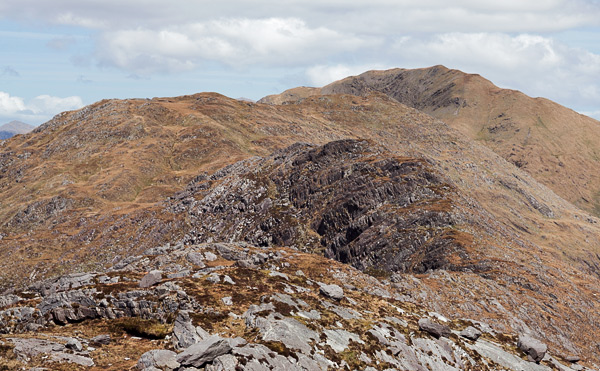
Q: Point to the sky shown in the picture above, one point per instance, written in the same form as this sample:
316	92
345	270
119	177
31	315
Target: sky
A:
63	54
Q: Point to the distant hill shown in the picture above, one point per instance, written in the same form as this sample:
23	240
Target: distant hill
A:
13	128
551	142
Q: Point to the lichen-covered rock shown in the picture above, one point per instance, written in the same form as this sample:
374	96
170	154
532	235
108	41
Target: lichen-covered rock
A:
534	348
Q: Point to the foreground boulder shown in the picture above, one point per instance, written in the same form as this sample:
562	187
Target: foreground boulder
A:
332	291
151	278
534	348
204	352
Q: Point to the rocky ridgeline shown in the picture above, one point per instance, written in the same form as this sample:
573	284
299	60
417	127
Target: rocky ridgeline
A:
350	200
235	306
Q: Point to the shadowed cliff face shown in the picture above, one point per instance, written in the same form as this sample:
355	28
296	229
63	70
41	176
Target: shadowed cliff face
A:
350	200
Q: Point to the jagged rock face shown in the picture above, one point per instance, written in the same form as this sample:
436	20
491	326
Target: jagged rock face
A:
349	199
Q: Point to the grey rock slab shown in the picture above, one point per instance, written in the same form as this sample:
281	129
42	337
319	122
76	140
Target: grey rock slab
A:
279	274
500	356
339	340
204	352
289	331
10	299
532	347
72	358
470	333
334	292
313	314
433	328
151	278
25	347
159	359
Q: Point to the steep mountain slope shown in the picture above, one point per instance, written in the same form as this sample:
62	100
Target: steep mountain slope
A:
553	143
481	238
13	128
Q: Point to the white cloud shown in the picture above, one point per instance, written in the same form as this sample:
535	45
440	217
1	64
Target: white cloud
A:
322	75
360	16
36	110
10	105
235	42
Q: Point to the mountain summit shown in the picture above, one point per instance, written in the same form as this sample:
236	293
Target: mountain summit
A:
13	128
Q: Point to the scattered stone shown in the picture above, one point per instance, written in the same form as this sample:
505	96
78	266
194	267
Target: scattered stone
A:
204	352
572	358
227	300
471	333
74	344
227	279
196	259
534	348
435	329
101	339
151	279
72	358
332	291
278	274
158	359
210	256
214	278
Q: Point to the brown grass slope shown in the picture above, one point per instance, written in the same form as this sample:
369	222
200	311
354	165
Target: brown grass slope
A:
83	189
559	147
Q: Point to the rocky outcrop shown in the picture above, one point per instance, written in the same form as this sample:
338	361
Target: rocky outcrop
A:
341	198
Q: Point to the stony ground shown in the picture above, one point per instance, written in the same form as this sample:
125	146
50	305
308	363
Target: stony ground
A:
226	306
